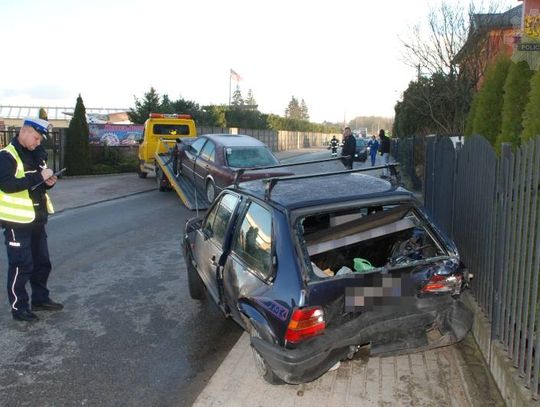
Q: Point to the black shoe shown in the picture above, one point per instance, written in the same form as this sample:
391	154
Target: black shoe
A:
47	306
24	315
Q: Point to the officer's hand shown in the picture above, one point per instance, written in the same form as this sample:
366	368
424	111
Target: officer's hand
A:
46	173
51	181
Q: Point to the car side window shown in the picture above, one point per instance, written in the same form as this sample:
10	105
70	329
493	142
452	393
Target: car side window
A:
215	224
209	151
253	242
197	145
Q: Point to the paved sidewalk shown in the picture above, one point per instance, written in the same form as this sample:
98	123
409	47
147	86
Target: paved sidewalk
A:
75	192
433	378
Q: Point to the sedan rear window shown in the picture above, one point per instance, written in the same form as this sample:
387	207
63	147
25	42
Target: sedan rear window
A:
246	157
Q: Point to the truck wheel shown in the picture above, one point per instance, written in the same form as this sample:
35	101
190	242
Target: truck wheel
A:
141	173
210	191
159	179
195	284
262	367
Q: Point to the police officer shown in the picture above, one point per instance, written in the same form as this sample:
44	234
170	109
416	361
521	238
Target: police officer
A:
333	146
349	148
24	208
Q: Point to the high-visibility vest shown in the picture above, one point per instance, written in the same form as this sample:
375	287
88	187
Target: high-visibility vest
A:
17	207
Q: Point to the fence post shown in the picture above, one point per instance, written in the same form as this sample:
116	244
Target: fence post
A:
501	185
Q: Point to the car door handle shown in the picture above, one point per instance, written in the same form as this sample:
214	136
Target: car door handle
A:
213	261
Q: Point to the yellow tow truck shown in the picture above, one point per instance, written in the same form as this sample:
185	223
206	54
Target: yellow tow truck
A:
156	155
159	130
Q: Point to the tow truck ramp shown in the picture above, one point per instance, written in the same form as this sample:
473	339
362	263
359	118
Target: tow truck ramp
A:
186	190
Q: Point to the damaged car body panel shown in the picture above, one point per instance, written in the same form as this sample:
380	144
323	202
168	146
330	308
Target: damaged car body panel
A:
313	277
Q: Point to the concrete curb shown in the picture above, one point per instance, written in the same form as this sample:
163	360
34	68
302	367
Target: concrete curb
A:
506	376
114	198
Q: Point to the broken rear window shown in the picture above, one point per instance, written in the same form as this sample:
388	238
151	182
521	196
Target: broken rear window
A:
366	239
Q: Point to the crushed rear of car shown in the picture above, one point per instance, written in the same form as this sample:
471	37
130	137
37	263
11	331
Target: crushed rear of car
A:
355	262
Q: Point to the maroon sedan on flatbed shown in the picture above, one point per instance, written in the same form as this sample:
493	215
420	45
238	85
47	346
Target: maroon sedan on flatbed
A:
211	159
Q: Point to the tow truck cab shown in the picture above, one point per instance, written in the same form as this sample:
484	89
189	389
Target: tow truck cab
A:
166	127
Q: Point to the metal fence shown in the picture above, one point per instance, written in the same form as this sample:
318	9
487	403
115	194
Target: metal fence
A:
410	153
491	206
53	145
278	140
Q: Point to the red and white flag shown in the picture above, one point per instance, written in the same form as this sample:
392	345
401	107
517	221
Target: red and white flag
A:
235	76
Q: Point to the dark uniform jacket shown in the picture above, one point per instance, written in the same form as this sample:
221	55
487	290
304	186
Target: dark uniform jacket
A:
349	146
33	161
385	145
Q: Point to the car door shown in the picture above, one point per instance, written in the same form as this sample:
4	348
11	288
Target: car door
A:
249	266
205	164
211	239
192	153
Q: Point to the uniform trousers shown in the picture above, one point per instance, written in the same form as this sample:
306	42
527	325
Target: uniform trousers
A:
28	258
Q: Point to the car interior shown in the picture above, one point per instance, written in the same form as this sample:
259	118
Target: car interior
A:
366	239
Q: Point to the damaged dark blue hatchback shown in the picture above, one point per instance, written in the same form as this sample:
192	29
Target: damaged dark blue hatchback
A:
314	267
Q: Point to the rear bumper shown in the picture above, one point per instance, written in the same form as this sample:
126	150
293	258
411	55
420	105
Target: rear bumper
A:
393	335
360	156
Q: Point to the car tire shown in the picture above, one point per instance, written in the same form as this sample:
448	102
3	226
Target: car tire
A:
141	173
159	180
210	191
262	367
195	284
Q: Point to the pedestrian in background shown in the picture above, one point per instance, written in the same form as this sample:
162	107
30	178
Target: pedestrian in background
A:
349	148
333	146
373	145
24	209
384	147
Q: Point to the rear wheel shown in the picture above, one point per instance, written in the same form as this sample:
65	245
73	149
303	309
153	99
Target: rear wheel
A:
262	367
210	191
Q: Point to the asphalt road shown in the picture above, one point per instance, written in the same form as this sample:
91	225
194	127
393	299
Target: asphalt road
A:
130	334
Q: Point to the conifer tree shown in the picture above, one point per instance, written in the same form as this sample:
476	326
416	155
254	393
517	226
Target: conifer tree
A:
516	96
150	103
77	150
469	124
531	115
487	119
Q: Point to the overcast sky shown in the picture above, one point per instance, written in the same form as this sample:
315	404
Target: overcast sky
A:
342	57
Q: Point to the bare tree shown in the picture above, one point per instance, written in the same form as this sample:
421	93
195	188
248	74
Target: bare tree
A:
450	51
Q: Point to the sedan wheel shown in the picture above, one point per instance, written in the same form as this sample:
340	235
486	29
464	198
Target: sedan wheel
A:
159	180
210	191
195	284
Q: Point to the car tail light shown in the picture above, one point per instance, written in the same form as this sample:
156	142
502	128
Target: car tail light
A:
444	284
305	323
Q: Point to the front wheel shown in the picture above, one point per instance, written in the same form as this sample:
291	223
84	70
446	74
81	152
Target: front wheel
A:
195	284
140	172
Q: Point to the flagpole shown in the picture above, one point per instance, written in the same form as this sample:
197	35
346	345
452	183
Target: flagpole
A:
230	88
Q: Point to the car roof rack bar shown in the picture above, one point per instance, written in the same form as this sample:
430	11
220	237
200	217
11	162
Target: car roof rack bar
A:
240	171
270	183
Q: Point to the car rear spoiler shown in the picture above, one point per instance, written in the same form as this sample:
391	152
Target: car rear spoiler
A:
240	171
270	183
